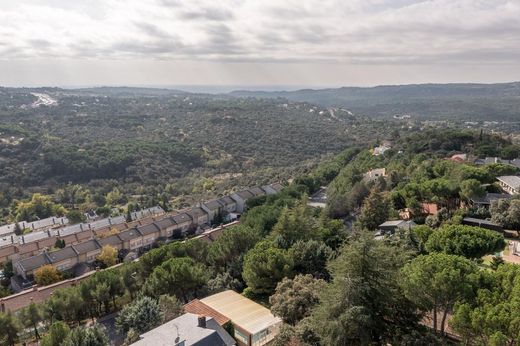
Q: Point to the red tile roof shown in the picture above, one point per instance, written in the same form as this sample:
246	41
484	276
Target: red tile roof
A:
199	308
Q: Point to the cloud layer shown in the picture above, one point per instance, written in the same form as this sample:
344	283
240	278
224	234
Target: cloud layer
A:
264	31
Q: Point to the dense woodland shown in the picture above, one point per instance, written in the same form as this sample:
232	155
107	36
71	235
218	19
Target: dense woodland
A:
161	144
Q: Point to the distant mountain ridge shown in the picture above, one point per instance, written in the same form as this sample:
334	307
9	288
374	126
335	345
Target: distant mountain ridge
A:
471	100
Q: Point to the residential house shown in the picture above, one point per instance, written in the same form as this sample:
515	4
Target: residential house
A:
469	221
380	150
26	267
8	250
154	211
184	222
459	158
167	227
374	174
112	240
486	200
394	225
253	324
85	235
213	208
27	250
63	259
187	330
257	191
510	184
272	189
199	216
491	160
150	234
241	198
132	239
87	251
230	205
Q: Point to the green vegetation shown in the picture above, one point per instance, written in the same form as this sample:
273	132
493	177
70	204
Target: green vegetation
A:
322	271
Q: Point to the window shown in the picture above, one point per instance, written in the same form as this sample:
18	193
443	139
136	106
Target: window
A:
241	337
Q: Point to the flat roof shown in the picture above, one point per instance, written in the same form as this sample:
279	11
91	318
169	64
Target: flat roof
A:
242	311
511	180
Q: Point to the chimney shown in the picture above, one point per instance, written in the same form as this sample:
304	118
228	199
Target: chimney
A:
202	322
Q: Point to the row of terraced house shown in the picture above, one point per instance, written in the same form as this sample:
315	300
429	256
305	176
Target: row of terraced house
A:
136	236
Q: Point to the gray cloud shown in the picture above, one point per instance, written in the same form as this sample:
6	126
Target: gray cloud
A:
319	32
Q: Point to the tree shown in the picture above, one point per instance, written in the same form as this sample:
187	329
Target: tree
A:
129	278
57	334
39	207
170	307
31	316
10	326
375	211
294	299
108	256
264	266
75	216
114	197
448	279
17	229
471	188
467	241
46	275
59	243
231	245
66	304
310	257
295	224
364	303
87	336
179	276
493	316
141	315
506	212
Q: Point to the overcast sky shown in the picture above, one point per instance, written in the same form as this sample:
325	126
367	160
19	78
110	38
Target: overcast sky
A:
258	42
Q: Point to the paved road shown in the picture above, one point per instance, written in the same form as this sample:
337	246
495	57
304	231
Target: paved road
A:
109	322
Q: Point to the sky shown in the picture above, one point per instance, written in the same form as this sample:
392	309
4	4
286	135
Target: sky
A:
276	43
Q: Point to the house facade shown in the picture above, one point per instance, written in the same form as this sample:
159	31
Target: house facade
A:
510	184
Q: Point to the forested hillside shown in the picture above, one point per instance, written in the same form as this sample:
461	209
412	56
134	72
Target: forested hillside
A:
492	102
156	141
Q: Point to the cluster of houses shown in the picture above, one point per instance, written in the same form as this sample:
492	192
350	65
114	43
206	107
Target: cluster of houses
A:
84	244
13	247
205	322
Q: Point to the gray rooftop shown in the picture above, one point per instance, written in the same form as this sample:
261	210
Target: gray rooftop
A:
244	194
181	218
392	223
110	240
511	180
256	191
197	212
86	246
489	197
165	223
480	221
226	200
214	204
34	262
129	234
185	328
148	229
34	236
61	255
